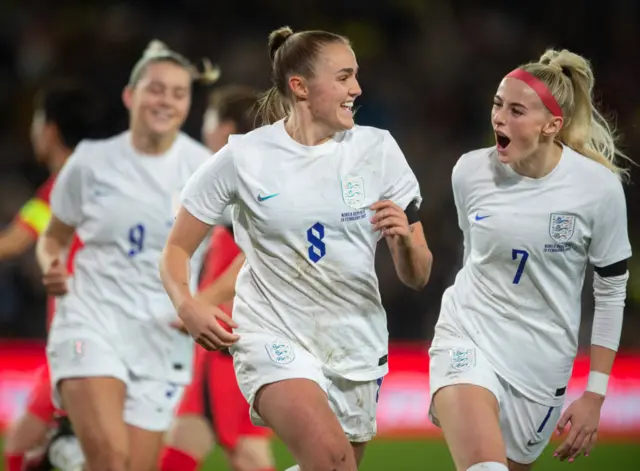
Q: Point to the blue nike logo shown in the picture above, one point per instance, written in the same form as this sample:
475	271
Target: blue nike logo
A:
268	197
480	218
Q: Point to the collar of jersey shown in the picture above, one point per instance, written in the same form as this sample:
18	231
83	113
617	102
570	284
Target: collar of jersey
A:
539	181
321	149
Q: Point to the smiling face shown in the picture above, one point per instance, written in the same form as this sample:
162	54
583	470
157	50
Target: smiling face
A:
520	121
159	102
333	88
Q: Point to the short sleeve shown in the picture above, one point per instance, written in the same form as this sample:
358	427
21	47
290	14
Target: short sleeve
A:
66	196
211	188
609	235
399	182
457	186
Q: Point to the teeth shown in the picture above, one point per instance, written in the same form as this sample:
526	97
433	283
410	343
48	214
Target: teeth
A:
347	104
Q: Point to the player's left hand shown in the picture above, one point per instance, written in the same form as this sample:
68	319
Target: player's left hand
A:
584	417
391	220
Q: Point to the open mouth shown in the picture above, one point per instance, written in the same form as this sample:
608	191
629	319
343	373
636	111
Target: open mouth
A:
502	140
347	106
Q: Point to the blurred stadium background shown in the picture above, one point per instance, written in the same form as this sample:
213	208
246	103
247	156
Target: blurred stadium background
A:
428	70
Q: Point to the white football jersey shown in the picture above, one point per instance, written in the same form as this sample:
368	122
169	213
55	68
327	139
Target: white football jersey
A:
302	218
123	205
527	245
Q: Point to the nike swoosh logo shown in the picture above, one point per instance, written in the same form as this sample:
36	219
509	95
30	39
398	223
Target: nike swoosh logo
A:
480	218
532	443
268	197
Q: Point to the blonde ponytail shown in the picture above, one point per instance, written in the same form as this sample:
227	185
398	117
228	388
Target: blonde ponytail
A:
157	51
570	80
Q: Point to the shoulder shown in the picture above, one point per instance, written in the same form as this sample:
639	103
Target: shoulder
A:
596	179
92	152
473	164
192	150
367	136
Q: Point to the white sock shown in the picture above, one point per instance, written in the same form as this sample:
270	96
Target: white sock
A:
294	468
488	466
65	453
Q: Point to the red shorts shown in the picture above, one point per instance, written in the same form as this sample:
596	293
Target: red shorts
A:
40	403
214	394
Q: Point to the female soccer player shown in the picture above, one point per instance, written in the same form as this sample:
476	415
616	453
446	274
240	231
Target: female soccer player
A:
212	408
66	113
117	365
534	210
312	194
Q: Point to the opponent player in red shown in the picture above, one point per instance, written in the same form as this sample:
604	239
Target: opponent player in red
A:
65	114
213	408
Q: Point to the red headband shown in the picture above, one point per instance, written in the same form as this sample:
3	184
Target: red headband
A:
540	88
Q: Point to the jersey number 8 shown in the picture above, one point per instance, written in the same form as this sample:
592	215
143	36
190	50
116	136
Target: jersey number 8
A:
317	249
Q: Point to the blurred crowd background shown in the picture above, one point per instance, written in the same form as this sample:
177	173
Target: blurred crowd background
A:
429	69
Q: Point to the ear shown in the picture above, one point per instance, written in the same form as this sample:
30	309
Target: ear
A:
228	126
553	127
298	87
127	97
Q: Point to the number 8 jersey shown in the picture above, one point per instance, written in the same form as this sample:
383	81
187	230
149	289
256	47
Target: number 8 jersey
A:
123	204
527	243
301	215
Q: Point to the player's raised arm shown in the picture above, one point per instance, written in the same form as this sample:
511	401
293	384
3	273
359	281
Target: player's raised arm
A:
396	216
204	198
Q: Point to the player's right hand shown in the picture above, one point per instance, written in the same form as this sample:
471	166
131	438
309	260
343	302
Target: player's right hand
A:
201	321
55	279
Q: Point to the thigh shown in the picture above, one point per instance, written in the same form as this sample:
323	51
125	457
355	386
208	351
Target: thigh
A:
94	407
26	433
298	411
465	403
145	446
526	426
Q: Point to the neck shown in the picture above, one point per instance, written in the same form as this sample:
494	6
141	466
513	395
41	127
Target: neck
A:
151	144
541	163
303	130
57	159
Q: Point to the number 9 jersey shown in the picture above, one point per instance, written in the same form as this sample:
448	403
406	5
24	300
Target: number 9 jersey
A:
527	243
123	204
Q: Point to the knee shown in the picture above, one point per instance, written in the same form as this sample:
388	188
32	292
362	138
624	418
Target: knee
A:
334	456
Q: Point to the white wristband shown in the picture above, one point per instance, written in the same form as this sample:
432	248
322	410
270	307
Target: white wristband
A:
598	383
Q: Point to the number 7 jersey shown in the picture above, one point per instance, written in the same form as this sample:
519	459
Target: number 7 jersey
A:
527	245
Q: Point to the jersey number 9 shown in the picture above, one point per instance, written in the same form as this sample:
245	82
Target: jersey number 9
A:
136	239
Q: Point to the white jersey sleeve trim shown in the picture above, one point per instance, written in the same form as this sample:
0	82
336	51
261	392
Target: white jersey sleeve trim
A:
610	293
66	195
212	187
401	185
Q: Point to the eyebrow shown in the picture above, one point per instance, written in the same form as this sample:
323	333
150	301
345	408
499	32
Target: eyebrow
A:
513	103
348	70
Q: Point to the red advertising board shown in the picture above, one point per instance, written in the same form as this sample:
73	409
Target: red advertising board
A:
404	398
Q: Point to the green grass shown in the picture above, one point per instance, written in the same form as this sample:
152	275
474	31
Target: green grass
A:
432	455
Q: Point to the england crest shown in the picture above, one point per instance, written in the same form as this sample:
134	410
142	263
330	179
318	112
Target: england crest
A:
561	227
280	351
353	191
462	359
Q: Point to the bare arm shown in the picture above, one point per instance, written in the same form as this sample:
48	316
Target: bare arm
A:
411	257
223	289
15	240
186	235
52	244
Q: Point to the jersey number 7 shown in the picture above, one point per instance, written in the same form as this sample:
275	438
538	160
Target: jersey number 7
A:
523	262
